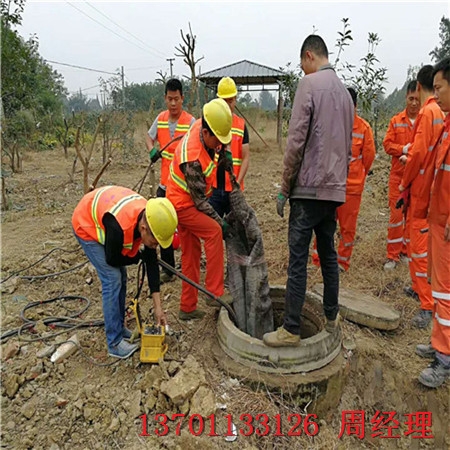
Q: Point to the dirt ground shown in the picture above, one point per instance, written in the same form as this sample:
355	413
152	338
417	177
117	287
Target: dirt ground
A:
82	405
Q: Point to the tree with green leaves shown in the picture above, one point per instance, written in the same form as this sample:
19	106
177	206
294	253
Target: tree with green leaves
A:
443	50
267	101
31	90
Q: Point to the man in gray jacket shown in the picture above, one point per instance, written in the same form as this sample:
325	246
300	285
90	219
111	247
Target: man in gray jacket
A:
314	178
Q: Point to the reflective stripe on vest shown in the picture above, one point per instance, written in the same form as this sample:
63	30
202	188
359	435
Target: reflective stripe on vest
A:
99	229
357	135
122	203
164	137
401	125
189	150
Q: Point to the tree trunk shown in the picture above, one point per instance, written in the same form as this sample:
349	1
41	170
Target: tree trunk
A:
4	205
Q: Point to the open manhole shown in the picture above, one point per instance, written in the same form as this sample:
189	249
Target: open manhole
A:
312	374
317	348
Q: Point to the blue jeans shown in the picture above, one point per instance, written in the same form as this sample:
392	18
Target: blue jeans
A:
220	201
114	289
306	216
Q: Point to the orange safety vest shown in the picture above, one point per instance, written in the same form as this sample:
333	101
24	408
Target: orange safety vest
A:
189	149
427	129
237	133
123	203
363	154
398	134
440	191
164	137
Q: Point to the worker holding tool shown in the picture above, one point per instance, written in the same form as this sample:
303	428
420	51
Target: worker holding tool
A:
363	154
192	172
427	129
240	151
396	143
169	124
111	223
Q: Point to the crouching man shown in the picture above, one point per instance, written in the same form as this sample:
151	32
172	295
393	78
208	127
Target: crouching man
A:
111	223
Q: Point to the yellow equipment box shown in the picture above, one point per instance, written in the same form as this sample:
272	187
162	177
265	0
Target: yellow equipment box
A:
153	346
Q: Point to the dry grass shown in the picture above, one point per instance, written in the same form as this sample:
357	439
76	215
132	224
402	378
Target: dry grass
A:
44	201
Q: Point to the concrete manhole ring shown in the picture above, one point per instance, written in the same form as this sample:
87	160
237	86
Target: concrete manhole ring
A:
318	348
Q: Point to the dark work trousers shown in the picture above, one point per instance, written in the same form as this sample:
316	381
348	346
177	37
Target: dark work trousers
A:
306	216
167	254
220	201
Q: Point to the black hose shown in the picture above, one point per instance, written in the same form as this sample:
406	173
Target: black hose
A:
62	322
38	261
200	288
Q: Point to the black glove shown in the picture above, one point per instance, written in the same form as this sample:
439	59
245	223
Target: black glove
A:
281	202
154	155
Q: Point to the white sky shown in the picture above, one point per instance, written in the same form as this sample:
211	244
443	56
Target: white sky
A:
268	33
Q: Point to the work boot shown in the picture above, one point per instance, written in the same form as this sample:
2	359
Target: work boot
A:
122	350
226	298
390	264
281	338
422	319
404	258
425	351
332	325
435	374
193	315
165	277
410	292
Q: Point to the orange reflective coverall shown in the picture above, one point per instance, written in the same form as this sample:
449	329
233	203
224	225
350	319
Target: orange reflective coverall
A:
399	133
439	248
194	225
363	154
427	129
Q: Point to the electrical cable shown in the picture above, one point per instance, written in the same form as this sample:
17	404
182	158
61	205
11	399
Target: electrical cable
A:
38	261
126	31
81	67
69	322
109	29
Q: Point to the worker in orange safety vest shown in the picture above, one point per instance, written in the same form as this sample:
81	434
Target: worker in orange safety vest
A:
438	180
427	129
240	151
363	154
396	142
111	223
192	172
168	125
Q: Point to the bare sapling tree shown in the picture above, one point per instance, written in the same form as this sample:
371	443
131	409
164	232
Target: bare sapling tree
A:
63	135
162	77
186	50
85	155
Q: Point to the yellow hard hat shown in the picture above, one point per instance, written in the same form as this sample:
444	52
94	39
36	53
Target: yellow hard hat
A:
226	88
218	116
162	220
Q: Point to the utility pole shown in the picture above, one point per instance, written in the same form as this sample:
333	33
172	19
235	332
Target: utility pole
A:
171	64
123	87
